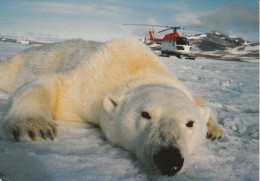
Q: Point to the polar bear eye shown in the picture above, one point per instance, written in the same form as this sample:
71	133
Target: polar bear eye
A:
190	124
145	115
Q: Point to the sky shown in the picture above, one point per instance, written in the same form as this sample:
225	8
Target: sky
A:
103	19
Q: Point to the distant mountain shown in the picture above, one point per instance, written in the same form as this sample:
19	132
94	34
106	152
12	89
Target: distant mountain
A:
19	41
216	41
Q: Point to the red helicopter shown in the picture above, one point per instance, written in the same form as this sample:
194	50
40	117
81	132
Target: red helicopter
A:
174	35
166	38
172	43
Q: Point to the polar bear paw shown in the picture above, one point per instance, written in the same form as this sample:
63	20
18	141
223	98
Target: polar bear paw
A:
31	129
214	132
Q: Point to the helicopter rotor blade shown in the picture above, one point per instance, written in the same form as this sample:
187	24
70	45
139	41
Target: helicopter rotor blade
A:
147	25
168	27
164	30
193	29
174	28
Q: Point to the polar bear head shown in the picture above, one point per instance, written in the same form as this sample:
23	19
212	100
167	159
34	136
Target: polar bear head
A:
159	124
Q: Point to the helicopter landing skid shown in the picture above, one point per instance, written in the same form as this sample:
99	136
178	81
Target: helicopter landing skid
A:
164	55
189	57
179	56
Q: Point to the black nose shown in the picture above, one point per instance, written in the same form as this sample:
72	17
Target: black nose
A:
169	160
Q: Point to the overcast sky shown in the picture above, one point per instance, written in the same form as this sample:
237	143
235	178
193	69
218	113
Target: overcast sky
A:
103	19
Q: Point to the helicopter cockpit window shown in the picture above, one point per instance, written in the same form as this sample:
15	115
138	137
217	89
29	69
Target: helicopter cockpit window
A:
181	41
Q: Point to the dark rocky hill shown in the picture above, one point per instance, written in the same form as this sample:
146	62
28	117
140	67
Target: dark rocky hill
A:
215	41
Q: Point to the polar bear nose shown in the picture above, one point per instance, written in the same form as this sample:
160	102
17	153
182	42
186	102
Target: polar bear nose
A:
169	160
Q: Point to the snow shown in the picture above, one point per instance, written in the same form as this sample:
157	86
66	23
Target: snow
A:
23	41
247	43
154	45
44	38
245	53
232	36
245	49
81	151
6	51
197	37
249	59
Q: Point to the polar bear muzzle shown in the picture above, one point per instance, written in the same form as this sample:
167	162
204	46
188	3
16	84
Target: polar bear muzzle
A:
169	160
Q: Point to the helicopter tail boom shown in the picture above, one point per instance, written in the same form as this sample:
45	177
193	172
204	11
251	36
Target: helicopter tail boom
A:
151	36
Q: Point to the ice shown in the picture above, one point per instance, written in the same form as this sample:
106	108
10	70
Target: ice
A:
81	151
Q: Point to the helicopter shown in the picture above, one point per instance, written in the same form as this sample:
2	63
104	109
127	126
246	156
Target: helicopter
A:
172	43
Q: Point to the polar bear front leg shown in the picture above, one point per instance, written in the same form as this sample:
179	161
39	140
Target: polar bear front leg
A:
214	132
29	112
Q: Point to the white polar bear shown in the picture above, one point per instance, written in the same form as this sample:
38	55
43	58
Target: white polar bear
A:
122	87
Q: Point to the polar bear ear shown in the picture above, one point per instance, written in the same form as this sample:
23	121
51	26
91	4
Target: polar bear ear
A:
111	102
205	112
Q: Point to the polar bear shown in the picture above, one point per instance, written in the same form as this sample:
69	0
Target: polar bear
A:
120	86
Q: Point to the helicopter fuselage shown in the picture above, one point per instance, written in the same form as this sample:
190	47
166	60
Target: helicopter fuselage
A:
178	46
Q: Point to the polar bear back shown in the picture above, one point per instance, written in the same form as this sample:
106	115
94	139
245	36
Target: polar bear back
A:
116	67
46	59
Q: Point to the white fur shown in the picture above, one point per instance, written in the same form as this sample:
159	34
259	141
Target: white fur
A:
110	88
170	110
